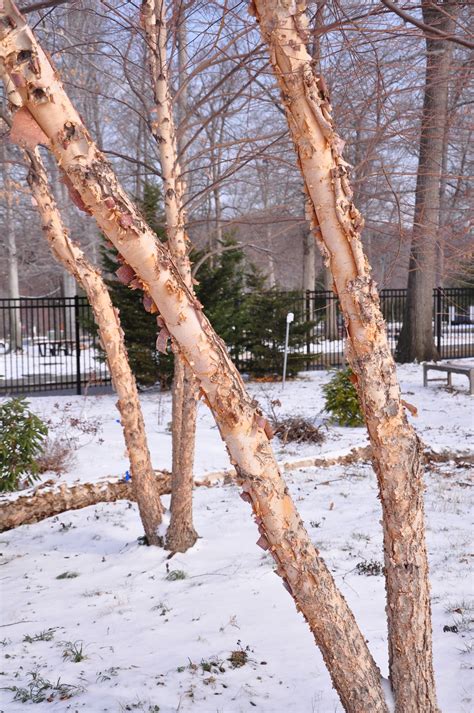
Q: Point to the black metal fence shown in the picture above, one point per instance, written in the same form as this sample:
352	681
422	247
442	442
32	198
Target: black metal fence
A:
453	324
45	345
57	350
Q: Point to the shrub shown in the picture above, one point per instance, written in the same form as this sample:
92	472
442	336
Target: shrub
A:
56	457
341	399
22	436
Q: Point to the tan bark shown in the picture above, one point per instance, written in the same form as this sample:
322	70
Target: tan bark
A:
107	319
181	533
397	456
36	506
43	503
352	669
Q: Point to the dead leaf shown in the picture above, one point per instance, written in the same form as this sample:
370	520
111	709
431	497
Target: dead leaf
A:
412	409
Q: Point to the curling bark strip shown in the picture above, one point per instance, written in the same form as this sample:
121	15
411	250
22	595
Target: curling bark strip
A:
181	533
70	255
352	669
397	454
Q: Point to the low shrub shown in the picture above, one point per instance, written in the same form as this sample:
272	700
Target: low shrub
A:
22	437
56	457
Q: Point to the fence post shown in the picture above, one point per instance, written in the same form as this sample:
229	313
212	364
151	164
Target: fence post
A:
78	345
308	335
439	320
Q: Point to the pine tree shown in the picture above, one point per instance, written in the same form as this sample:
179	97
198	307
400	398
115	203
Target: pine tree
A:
139	326
252	322
222	290
266	313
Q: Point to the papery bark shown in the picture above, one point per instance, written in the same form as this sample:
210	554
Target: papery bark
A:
396	450
181	533
111	335
51	499
352	669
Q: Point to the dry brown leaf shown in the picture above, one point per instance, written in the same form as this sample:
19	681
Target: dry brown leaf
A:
412	409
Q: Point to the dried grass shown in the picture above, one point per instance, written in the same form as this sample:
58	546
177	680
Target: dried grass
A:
57	457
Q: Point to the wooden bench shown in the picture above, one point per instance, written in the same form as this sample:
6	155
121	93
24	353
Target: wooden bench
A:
450	369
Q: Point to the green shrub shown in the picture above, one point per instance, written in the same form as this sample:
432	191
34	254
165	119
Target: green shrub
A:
341	399
22	436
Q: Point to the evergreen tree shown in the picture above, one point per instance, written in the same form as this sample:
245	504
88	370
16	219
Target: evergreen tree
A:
252	322
140	328
266	313
222	291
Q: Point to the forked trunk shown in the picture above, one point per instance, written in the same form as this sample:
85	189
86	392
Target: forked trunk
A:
397	455
181	533
352	669
69	254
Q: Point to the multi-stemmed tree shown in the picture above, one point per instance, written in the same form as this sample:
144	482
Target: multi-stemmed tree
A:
395	447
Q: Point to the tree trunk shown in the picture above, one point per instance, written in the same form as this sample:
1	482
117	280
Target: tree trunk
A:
242	427
397	455
16	343
47	501
416	336
181	533
111	335
41	503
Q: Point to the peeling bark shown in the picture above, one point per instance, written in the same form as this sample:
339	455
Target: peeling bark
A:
107	319
45	502
181	534
38	505
352	669
397	454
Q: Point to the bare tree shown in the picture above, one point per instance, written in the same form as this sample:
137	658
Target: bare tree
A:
396	450
240	422
416	337
181	533
12	257
144	483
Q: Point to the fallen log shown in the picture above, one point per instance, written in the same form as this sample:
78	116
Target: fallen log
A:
50	499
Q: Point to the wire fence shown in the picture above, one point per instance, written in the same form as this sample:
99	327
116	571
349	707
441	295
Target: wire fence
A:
47	344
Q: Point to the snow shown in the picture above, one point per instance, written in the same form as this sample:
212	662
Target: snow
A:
151	639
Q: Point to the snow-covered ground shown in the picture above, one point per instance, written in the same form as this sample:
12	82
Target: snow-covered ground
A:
167	635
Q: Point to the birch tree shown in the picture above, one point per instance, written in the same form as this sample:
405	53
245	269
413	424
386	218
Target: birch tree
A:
181	533
241	424
396	450
72	258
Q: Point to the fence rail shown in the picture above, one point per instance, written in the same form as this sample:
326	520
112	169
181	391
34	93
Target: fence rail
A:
46	344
